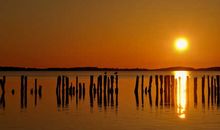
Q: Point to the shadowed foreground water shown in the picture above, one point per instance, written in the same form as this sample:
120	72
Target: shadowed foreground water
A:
163	100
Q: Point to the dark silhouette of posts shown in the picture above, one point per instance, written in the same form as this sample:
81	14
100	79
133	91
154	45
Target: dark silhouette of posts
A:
165	90
150	84
105	82
58	91
218	89
161	84
136	85
161	90
136	91
212	89
2	84
63	92
209	89
203	90
23	91
91	85
172	89
195	91
116	83
35	92
67	91
157	89
2	100
168	89
112	84
142	90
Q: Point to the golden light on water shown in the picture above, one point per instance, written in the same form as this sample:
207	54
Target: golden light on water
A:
181	78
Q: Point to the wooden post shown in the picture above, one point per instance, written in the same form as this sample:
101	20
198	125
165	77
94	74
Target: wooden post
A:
91	85
168	90
161	84
209	89
67	90
142	90
116	88
218	89
172	90
105	82
112	83
212	89
2	84
35	92
150	84
63	92
136	85
195	91
77	87
203	90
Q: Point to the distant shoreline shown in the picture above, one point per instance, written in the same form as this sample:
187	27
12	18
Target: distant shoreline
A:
108	69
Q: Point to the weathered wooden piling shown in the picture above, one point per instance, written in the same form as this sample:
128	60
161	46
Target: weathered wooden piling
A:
142	90
2	100
91	85
209	89
108	90
165	89
168	90
67	90
116	84
218	89
112	84
40	91
203	90
23	91
161	84
63	92
77	87
195	91
2	83
172	90
136	85
58	91
212	89
150	84
105	82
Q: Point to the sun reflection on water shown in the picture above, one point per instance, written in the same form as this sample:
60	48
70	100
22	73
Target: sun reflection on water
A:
181	78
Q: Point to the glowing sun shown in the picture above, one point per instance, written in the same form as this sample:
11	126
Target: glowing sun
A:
181	44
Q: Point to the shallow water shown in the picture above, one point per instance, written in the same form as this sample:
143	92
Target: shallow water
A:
123	111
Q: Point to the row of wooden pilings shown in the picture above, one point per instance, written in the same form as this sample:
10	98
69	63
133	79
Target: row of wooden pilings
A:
167	89
37	91
108	83
63	83
213	89
23	91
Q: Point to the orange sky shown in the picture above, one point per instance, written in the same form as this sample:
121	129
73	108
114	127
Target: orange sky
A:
109	33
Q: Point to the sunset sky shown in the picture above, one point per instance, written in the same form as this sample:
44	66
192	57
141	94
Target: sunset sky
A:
109	33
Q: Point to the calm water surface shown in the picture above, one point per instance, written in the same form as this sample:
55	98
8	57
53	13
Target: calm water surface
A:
123	111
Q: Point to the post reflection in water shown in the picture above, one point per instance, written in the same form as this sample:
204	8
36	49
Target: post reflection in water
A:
181	78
